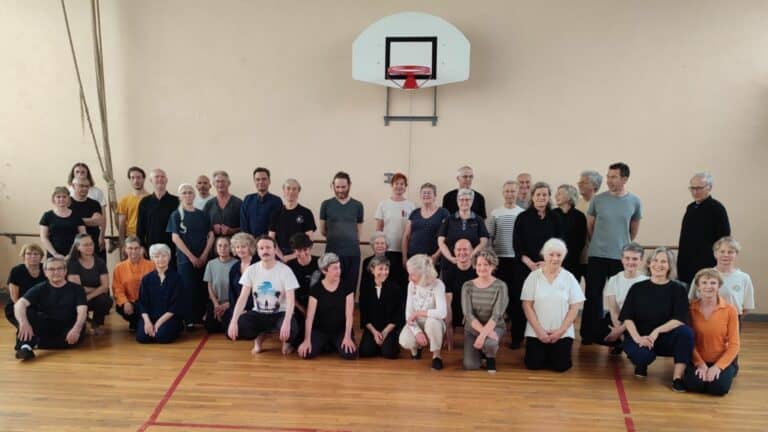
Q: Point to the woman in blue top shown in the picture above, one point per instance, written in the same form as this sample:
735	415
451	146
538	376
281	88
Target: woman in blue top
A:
158	303
191	232
420	236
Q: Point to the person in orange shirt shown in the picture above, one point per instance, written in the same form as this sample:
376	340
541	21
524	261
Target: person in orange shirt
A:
716	327
126	279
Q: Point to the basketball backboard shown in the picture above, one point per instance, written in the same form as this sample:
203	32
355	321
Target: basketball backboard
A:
411	39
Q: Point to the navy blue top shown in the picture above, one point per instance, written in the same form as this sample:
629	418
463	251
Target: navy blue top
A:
157	298
423	239
235	287
197	225
256	211
454	228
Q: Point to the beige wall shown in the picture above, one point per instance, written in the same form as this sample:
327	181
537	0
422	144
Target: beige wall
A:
556	87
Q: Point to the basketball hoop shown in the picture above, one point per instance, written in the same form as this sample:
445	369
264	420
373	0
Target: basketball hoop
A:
410	72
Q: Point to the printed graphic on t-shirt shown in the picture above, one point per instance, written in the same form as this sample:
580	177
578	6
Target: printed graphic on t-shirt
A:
266	298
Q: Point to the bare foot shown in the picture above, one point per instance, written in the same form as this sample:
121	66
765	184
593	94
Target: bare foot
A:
257	344
287	348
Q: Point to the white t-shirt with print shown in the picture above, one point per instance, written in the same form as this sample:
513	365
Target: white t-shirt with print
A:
395	215
269	286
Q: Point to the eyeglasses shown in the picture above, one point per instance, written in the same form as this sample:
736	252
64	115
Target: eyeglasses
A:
56	269
696	188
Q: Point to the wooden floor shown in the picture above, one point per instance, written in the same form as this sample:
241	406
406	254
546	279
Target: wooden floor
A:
210	384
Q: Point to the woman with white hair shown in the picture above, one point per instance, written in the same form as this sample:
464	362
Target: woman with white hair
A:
551	299
191	232
574	227
425	310
655	314
330	313
158	303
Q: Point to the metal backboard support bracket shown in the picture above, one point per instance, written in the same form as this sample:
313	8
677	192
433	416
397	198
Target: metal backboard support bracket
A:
433	118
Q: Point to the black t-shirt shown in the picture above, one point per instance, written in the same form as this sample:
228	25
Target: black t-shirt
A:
86	209
531	232
478	203
89	277
454	228
307	276
650	305
20	277
454	279
331	308
286	223
61	231
57	304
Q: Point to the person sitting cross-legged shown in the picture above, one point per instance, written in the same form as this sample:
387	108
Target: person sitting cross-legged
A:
52	314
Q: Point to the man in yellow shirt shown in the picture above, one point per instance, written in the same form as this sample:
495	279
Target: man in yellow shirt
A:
128	207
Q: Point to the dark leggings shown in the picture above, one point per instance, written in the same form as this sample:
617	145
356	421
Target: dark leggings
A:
540	355
99	306
677	343
389	349
167	333
328	342
718	387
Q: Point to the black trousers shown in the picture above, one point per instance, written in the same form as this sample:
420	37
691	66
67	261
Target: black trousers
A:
251	324
556	356
167	333
603	330
49	334
389	349
515	312
9	315
99	306
598	272
132	319
213	325
329	342
350	272
719	387
194	296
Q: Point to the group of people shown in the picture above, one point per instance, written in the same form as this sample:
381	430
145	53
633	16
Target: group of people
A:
245	268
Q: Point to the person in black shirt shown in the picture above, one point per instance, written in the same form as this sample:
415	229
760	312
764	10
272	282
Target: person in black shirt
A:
381	312
330	313
304	266
23	277
655	314
464	176
574	227
51	314
154	211
454	276
292	218
89	210
463	223
705	222
59	226
244	249
90	272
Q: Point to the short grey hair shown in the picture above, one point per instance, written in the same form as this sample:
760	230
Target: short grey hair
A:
510	182
220	173
465	192
488	254
379	234
573	193
53	259
633	247
292	181
327	260
421	264
554	244
594	177
464	168
377	261
159	248
704	175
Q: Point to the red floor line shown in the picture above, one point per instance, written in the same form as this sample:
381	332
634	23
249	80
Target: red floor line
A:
160	405
228	427
623	401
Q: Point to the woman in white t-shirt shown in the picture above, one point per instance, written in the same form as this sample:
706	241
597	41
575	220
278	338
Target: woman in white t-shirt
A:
611	329
425	310
737	286
551	299
391	217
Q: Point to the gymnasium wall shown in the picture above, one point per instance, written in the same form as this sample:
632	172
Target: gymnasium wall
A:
555	87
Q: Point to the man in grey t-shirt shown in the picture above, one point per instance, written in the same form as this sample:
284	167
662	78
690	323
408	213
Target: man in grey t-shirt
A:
341	222
613	219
